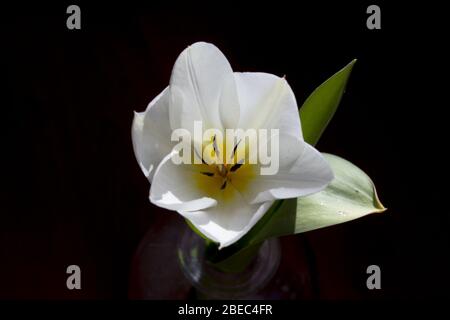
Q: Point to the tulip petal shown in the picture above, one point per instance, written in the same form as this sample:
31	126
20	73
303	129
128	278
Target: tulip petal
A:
174	186
267	101
229	103
308	174
195	85
228	221
151	133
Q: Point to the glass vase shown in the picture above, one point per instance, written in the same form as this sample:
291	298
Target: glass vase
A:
212	282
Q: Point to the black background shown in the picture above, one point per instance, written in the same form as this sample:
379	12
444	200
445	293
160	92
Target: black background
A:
72	192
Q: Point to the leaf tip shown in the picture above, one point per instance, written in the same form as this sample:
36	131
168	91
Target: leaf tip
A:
350	65
377	203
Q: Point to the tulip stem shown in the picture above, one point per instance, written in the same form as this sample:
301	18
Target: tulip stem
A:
230	263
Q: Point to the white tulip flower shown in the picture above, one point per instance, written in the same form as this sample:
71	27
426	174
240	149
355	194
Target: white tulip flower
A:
224	201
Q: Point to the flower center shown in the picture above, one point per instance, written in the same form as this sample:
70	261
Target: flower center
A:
220	174
222	171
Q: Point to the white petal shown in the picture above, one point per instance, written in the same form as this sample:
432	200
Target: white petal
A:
229	104
310	173
176	187
267	101
229	220
151	132
195	85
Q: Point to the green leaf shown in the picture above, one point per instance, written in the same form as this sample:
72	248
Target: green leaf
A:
318	109
349	196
